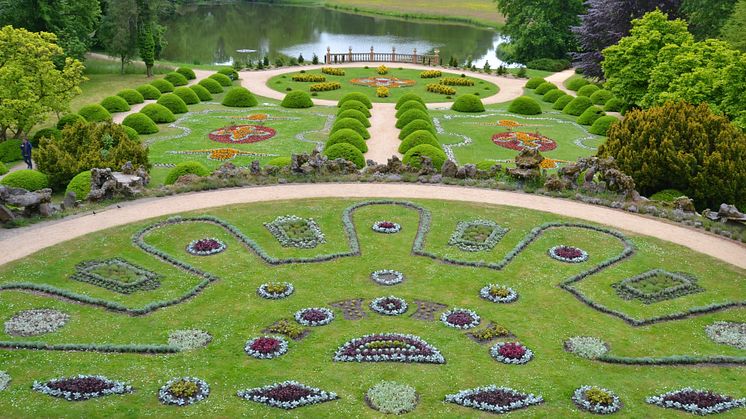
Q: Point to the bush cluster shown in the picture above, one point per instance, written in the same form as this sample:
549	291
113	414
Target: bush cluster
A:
534	82
440	88
414	155
545	87
176	79
525	105
431	74
577	106
69	119
406	98
187	95
349	136
132	96
211	85
333	71
141	123
297	100
410	116
468	103
95	113
186	168
588	90
357	96
163	86
31	180
187	72
457	81
202	93
309	78
158	113
239	97
80	184
325	87
224	80
354	114
354	104
352	124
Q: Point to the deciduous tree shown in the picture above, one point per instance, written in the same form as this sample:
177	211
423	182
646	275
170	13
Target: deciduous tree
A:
707	17
734	30
119	30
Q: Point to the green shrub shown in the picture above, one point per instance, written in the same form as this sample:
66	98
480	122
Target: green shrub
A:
588	90
224	80
355	96
560	103
468	103
186	168
349	136
282	161
131	133
31	180
352	124
81	185
239	97
69	119
115	104
577	106
525	105
95	113
227	71
416	125
412	158
132	96
158	113
576	83
355	114
202	93
418	138
614	105
666	195
51	133
347	152
601	96
412	104
356	105
140	123
187	95
590	115
406	98
174	103
3	169
552	95
410	116
602	124
534	82
10	151
149	92
212	86
297	100
176	79
163	86
545	87
549	64
187	72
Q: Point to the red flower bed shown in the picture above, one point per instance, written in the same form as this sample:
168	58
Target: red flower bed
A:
206	245
314	315
242	134
266	345
700	399
460	318
520	141
568	252
512	350
81	385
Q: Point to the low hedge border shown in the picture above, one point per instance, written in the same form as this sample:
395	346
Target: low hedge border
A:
674	360
91	347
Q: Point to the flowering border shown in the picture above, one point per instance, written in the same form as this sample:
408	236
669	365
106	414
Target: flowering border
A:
376	277
166	398
495	352
44	388
261	133
457	238
191	251
391	230
328	319
485	293
390	355
320	396
282	350
277	228
688	285
375	305
580	400
460	398
553	254
262	291
474	323
659	400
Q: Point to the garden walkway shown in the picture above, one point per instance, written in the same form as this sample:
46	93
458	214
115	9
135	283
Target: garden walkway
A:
560	78
22	242
384	136
16	167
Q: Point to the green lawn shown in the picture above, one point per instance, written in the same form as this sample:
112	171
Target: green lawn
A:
230	310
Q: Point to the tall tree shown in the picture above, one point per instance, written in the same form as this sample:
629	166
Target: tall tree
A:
150	33
119	30
707	17
734	30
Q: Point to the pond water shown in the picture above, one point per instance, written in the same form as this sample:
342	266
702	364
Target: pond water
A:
212	34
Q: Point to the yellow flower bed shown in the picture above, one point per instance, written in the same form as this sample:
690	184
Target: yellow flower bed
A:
382	69
457	81
431	74
382	92
315	78
325	87
333	71
440	88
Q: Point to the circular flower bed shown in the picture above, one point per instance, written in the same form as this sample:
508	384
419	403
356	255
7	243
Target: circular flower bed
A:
389	82
390	306
266	347
4	380
596	400
586	347
520	141
460	318
242	134
314	316
81	387
392	398
387	277
568	254
728	333
275	290
189	339
511	353
205	247
498	293
35	322
183	391
386	227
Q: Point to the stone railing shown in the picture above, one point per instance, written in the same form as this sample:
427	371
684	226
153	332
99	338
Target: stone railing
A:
381	57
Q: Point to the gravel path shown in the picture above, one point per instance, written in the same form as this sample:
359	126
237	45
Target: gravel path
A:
384	136
22	242
560	78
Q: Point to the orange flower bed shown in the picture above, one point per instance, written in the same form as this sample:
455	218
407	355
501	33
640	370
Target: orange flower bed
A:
242	134
388	82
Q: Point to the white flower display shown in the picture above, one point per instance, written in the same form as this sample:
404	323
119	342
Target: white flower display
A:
495	352
486	293
301	316
52	387
460	318
727	403
189	339
389	306
166	397
259	354
264	293
387	277
466	398
386	227
35	322
260	395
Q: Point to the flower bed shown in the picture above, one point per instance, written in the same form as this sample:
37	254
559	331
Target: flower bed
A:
383	91
657	285
498	293
266	347
440	88
275	290
386	227
325	87
457	81
183	391
596	400
493	399
35	322
287	328
387	82
4	380
189	339
242	134
568	254
476	235
293	231
387	277
205	247
389	306
699	402
333	71
389	347
81	387
431	74
728	333
116	275
313	78
586	347
519	141
489	333
511	353
287	395
314	316
460	318
391	398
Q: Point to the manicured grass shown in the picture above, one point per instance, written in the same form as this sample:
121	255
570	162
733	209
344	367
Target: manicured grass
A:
229	309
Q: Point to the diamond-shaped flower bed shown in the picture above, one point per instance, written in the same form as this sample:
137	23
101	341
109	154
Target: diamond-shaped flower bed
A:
389	347
387	277
460	318
657	285
116	275
493	399
314	316
568	254
275	290
287	395
386	227
205	247
389	306
266	347
498	293
183	391
81	387
477	235
511	353
519	141
189	339
596	400
700	402
293	231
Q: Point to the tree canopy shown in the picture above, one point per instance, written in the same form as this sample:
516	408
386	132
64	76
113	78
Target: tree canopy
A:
707	17
734	30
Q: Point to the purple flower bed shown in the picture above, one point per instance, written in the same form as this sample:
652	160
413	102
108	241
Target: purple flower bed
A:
493	399
568	254
266	347
205	247
389	306
511	353
287	395
700	402
81	387
389	347
314	316
460	318
386	227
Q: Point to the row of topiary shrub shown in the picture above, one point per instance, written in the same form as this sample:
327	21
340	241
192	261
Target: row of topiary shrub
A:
350	130
418	134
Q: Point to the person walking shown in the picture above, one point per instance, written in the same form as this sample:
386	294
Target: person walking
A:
26	152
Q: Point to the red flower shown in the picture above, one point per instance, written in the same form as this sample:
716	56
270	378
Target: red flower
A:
512	350
265	345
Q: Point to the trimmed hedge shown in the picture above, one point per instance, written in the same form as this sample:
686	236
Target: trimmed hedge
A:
560	103
80	184
163	86
224	80
211	85
588	90
525	105
347	152
549	64
355	114
577	106
552	95
418	138
31	180
140	123
69	119
187	72
227	71
174	103
131	133
3	169
132	96
576	83
349	136
355	96
601	125
186	168
352	124
411	115
239	97
176	79
412	157
468	103
187	95
356	105
534	82
601	96
51	133
545	87
406	98
614	105
282	161
416	125
590	115
95	113
297	99
115	104
202	93
158	113
412	104
10	151
149	92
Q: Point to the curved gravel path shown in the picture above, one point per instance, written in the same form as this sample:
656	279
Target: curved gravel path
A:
19	243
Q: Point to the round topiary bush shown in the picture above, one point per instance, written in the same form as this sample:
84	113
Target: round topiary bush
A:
202	93
176	79
132	96
560	103
149	92
187	72
356	105
588	90
3	169
614	105
163	86
10	151
69	119
417	138
576	83
347	152
297	100
413	156
115	104
416	125
158	113
577	106
31	180
355	96
140	123
410	116
601	96
174	103
545	87
280	161
80	184
412	104
590	115
354	114
95	113
468	103
131	133
239	97
222	79
406	98
352	124
601	125
227	71
534	82
51	133
186	168
187	95
211	85
349	136
552	95
525	105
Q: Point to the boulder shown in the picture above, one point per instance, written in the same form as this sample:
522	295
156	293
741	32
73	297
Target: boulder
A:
32	203
449	168
106	184
528	165
684	204
70	201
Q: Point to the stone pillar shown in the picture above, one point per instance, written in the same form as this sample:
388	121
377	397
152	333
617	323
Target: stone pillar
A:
372	54
414	56
393	54
328	55
437	58
349	54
